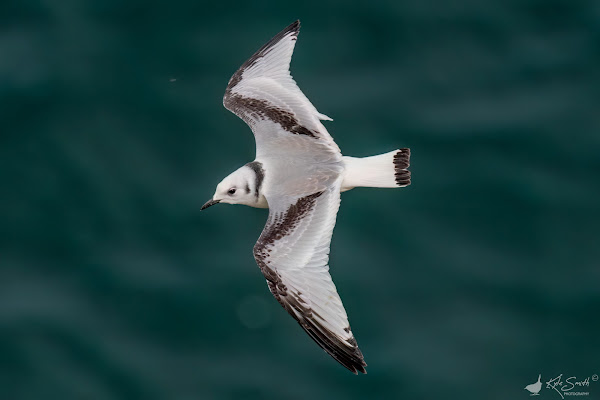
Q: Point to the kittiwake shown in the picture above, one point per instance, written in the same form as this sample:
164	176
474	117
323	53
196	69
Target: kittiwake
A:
298	174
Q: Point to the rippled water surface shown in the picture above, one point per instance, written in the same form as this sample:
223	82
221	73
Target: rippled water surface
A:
481	275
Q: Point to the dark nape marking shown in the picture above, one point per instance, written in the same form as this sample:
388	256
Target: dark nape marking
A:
259	173
401	163
293	28
278	226
251	110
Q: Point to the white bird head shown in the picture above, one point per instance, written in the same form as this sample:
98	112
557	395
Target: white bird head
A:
240	187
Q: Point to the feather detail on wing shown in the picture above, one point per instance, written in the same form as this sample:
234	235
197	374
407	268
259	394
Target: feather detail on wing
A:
293	254
263	93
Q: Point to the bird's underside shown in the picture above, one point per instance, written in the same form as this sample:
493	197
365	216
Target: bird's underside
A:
293	249
301	172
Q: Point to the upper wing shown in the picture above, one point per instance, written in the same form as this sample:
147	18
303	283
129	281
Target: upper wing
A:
263	93
293	254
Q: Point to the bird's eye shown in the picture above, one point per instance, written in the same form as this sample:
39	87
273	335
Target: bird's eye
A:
231	191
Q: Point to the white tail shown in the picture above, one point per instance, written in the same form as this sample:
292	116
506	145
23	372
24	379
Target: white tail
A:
389	170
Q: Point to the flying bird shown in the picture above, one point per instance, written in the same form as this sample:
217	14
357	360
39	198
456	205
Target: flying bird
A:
298	174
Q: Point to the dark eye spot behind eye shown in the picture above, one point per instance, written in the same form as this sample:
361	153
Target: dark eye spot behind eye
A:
247	188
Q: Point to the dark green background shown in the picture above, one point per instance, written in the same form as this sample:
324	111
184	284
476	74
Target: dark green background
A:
466	285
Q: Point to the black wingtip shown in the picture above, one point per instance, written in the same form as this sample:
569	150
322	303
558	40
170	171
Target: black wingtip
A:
350	358
359	368
294	28
355	368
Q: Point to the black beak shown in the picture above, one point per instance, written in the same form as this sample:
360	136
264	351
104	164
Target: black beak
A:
209	203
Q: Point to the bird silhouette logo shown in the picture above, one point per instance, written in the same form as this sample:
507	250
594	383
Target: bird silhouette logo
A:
535	388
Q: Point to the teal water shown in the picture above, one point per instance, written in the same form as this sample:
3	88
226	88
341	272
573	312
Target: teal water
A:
481	275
